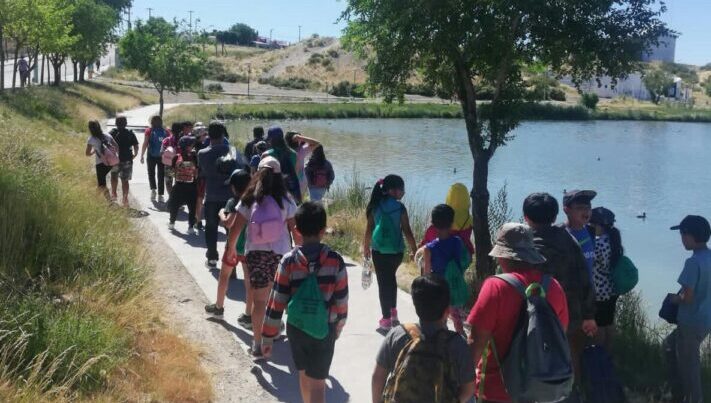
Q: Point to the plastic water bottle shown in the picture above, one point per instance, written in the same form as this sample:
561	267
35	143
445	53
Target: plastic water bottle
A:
366	278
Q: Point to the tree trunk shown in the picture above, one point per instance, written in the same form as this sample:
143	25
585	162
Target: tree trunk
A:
76	71
216	54
57	71
42	71
160	99
2	58
82	71
14	67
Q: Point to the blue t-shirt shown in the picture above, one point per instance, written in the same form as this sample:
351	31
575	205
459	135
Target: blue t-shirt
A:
697	276
254	162
443	251
587	244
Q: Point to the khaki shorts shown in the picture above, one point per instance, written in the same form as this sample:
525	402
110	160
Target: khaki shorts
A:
124	170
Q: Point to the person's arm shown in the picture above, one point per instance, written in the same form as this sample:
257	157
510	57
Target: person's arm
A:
407	230
368	236
146	136
312	143
688	280
478	339
295	235
89	150
427	260
235	230
587	297
380	376
339	307
331	175
135	151
685	296
278	300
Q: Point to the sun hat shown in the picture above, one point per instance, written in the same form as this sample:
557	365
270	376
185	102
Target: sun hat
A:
270	162
578	196
514	241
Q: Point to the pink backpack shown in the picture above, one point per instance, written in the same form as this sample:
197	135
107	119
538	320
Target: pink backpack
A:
109	155
168	155
267	223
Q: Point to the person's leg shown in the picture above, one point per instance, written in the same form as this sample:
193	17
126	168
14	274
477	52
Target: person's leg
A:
304	387
673	374
223	283
576	341
152	172
174	203
161	176
191	198
380	264
393	264
114	182
316	389
688	353
168	177
212	221
101	172
259	309
249	303
124	192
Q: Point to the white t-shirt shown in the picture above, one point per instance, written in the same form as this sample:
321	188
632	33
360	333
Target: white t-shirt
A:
96	144
282	245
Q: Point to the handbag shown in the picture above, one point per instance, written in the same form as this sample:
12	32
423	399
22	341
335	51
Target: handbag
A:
669	309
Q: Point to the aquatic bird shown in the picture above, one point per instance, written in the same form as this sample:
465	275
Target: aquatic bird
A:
598	158
643	215
455	170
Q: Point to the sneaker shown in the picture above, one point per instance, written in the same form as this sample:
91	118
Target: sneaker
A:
199	226
245	320
256	350
191	231
161	199
385	324
213	310
211	264
153	194
171	226
114	198
393	318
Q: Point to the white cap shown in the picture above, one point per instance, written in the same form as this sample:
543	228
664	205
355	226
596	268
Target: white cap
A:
270	162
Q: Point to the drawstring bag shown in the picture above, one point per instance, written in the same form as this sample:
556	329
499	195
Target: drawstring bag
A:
307	309
454	274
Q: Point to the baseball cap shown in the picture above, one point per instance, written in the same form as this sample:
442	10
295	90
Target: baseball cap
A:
515	241
186	141
602	216
270	162
696	226
579	196
275	132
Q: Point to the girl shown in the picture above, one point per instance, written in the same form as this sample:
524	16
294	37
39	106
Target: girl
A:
200	139
184	192
104	148
608	251
303	146
457	198
239	180
319	173
152	141
168	151
269	213
387	222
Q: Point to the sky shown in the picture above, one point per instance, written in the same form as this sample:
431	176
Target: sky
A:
283	17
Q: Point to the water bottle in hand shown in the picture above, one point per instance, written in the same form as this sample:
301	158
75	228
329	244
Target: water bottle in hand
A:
367	274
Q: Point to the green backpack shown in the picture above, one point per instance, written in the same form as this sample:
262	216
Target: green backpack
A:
307	309
624	276
387	235
454	274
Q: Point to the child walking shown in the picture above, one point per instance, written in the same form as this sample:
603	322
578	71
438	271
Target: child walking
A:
184	166
383	241
447	257
268	212
239	180
309	273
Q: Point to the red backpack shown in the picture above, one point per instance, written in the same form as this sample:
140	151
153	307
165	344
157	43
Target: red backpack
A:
185	171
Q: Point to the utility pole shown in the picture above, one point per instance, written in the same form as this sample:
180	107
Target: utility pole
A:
299	33
249	75
129	18
270	36
150	13
191	20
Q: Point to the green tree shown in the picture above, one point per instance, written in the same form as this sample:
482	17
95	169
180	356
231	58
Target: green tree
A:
164	55
243	34
657	82
707	86
94	23
461	45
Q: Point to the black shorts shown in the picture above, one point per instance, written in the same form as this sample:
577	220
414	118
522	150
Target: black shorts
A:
605	311
101	172
311	355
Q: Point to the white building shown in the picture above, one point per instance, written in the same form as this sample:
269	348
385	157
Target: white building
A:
664	52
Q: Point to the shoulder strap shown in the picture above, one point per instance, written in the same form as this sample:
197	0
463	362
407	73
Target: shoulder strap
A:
413	330
546	282
514	282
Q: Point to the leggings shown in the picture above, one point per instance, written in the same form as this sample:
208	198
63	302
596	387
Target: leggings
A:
385	267
182	194
153	163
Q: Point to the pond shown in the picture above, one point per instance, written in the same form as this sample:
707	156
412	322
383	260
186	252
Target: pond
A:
660	168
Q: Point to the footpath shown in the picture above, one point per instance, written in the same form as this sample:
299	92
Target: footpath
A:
357	347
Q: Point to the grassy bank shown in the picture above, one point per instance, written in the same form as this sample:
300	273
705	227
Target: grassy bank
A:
529	111
638	350
76	321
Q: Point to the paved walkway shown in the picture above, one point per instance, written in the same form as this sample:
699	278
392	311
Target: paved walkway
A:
355	350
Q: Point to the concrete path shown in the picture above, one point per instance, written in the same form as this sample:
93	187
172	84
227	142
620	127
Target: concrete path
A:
355	350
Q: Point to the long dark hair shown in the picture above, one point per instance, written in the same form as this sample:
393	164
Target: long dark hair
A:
615	244
318	158
265	183
95	129
381	189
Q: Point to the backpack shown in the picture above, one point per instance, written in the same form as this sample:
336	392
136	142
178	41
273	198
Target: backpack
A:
422	371
538	366
454	274
307	309
109	154
319	177
155	141
266	224
624	276
599	377
387	235
168	155
289	171
185	171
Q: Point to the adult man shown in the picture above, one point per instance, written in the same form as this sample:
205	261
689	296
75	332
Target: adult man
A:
566	263
249	151
216	191
495	314
128	150
430	295
24	68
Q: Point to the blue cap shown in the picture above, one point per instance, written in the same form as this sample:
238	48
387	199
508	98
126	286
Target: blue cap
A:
275	132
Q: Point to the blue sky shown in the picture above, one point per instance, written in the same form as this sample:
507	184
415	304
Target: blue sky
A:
690	17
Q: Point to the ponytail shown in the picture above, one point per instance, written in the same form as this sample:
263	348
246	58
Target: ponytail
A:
381	189
615	245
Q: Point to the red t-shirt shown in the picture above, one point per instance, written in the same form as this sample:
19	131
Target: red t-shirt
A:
496	310
464	234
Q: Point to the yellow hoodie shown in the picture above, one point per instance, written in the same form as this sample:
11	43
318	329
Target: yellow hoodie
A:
458	199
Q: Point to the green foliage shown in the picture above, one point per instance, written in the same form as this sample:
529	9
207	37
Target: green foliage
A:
557	94
346	89
540	88
160	52
215	87
684	71
657	81
589	100
707	86
93	24
294	83
238	34
333	53
705	67
216	71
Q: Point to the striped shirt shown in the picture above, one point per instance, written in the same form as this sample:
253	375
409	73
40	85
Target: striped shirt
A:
293	270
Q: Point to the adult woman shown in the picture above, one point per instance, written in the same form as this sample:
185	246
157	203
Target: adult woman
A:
303	146
105	150
319	174
608	251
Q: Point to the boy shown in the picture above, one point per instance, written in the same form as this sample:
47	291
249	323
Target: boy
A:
694	318
566	263
312	281
430	295
128	150
578	209
495	314
442	252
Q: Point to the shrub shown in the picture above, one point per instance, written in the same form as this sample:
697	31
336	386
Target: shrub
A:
557	94
346	89
296	83
315	58
333	53
589	100
326	62
215	87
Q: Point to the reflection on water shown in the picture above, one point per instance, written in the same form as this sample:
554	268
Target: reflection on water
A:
656	167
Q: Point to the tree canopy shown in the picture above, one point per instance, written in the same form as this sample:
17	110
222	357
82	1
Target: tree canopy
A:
164	55
238	34
657	82
461	45
93	24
